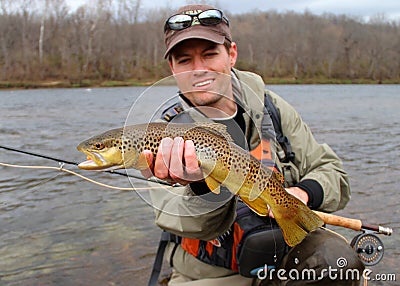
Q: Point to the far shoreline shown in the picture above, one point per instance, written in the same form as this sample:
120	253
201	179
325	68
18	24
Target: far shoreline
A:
86	83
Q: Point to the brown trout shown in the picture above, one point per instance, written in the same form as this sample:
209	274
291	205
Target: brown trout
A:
222	162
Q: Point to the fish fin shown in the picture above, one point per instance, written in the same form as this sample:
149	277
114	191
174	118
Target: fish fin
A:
254	194
259	206
216	128
213	185
142	163
296	220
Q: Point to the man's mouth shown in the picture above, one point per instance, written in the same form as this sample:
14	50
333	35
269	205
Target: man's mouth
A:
203	83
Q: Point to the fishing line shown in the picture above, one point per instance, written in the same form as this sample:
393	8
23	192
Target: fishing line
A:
76	164
42	182
273	236
62	169
334	232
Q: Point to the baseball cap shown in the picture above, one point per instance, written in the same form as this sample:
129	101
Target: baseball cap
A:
214	33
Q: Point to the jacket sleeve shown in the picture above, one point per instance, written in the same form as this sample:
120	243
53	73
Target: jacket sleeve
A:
180	211
321	172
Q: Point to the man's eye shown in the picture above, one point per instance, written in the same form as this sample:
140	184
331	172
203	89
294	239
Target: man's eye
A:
183	61
211	54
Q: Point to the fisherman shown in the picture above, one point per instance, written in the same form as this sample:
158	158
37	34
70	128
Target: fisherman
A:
201	54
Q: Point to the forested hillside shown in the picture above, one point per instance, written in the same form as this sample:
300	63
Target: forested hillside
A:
118	40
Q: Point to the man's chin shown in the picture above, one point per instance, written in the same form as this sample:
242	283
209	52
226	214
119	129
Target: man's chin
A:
203	98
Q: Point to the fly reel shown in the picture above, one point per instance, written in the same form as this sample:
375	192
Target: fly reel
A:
368	247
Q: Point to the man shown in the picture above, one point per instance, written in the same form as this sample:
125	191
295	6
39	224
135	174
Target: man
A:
201	55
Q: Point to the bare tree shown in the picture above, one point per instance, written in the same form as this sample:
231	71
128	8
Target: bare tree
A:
41	36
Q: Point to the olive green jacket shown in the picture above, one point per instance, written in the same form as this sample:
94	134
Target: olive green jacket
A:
181	212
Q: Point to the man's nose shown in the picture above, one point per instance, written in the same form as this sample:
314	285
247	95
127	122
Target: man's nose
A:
199	65
199	72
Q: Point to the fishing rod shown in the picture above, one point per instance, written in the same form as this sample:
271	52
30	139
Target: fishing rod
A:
76	164
354	224
331	219
367	245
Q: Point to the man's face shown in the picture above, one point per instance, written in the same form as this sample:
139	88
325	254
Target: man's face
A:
203	71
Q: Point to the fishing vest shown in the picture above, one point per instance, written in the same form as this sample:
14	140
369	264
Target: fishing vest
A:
252	241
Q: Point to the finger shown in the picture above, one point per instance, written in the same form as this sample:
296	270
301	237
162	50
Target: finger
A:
270	213
176	168
191	163
148	172
163	157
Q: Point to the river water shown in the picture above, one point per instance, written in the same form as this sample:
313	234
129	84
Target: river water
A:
57	229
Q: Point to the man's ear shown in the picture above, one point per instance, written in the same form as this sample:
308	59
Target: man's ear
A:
170	63
233	53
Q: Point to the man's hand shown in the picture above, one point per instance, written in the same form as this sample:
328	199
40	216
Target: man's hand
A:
175	162
296	192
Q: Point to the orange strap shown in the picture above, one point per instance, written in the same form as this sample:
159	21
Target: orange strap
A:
262	151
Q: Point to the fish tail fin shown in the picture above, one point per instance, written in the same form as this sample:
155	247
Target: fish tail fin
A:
296	221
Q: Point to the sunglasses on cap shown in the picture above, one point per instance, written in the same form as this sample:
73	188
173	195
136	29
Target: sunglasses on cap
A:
210	17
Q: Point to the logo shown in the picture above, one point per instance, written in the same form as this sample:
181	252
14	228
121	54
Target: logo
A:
341	262
192	12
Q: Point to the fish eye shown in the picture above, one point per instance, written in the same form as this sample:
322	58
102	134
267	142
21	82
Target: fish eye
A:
98	145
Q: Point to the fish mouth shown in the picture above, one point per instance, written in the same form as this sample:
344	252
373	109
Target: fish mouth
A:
96	161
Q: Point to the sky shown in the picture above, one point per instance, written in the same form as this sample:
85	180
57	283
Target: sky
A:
359	8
